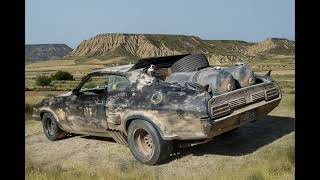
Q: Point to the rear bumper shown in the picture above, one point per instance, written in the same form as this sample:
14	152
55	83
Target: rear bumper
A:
210	127
234	120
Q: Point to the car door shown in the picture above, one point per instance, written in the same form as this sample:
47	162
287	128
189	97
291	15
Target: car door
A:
86	107
119	94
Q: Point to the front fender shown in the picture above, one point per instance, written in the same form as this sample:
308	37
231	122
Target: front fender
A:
59	116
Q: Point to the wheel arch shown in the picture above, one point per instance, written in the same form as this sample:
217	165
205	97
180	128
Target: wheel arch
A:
48	110
131	118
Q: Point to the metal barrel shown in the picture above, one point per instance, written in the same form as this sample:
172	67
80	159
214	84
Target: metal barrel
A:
243	74
219	80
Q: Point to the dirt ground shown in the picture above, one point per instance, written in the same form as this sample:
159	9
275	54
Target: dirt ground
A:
229	150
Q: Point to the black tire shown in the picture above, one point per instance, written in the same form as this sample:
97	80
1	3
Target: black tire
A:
51	128
192	62
160	149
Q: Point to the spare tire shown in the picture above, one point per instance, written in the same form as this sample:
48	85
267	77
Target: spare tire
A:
192	62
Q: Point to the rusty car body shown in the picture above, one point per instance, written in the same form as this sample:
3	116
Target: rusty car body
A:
174	115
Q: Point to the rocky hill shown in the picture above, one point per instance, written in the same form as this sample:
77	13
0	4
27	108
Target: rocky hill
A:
272	46
135	46
139	45
38	52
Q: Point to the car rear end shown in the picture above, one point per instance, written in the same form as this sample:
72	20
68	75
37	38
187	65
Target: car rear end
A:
236	108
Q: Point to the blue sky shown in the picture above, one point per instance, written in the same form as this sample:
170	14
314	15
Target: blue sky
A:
72	21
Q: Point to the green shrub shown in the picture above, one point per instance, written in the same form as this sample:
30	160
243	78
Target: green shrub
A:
43	80
62	76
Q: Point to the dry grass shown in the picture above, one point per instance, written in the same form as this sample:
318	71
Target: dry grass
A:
49	67
110	61
76	70
50	63
274	161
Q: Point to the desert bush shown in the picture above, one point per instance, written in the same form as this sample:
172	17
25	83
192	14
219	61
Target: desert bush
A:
62	76
43	80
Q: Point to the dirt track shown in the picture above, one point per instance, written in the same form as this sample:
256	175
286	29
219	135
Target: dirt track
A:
225	150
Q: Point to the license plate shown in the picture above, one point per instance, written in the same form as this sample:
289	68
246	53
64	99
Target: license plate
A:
247	116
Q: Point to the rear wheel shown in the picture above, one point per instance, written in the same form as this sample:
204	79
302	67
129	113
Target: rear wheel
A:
146	144
51	128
